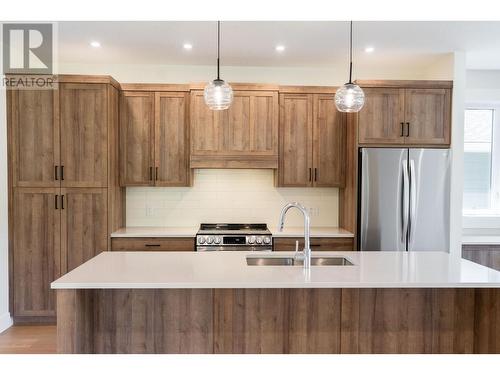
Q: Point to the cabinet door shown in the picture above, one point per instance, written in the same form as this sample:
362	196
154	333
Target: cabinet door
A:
34	130
84	134
250	125
83	225
136	138
381	119
171	139
295	167
427	114
329	139
206	135
36	251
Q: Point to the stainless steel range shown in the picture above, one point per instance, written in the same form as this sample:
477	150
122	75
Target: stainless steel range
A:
234	237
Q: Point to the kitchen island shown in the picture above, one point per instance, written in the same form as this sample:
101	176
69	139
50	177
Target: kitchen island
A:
386	302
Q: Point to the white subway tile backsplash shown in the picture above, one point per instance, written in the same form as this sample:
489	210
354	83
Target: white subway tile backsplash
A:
228	195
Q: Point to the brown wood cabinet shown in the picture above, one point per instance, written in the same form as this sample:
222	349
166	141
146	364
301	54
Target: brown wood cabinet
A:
64	197
171	139
312	142
84	134
84	229
243	136
317	243
406	113
36	252
34	137
154	139
153	244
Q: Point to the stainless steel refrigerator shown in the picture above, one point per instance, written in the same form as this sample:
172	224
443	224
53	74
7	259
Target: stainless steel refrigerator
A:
404	199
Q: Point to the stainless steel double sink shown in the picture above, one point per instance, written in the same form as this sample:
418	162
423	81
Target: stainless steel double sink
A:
291	261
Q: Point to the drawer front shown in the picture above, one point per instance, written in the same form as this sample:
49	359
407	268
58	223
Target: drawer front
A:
153	244
317	243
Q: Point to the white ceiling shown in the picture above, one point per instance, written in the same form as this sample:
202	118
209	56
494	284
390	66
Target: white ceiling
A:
253	43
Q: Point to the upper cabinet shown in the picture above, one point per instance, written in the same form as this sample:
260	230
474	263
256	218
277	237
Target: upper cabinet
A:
154	138
406	112
84	134
34	146
312	141
136	138
243	136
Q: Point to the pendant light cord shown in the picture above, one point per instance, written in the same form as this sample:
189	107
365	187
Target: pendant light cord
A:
218	49
350	55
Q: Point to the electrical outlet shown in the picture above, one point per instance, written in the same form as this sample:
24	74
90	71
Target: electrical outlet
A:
150	211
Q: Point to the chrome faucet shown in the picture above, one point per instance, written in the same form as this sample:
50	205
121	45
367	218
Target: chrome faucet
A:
306	254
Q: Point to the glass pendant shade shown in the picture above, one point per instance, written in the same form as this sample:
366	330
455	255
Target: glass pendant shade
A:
218	95
349	98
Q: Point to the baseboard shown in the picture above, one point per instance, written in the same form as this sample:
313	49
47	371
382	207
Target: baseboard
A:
5	321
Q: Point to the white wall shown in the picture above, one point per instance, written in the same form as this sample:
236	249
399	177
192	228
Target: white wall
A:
5	320
482	86
217	195
457	145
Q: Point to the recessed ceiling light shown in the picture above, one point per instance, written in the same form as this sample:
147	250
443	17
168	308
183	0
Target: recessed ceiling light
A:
95	44
280	48
369	49
187	46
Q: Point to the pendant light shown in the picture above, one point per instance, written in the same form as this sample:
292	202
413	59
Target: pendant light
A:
350	97
218	94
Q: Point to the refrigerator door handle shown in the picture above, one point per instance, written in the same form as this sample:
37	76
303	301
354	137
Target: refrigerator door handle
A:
413	198
404	201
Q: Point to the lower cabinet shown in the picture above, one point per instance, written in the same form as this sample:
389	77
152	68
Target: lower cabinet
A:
36	252
55	231
317	243
153	244
83	226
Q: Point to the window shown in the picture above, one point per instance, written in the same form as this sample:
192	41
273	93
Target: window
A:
481	162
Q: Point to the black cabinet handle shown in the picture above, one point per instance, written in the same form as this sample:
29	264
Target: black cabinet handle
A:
56	174
310	174
156	174
150	173
407	129
402	129
62	202
152	245
315	174
56	197
62	172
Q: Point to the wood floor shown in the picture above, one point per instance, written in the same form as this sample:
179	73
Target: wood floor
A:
29	340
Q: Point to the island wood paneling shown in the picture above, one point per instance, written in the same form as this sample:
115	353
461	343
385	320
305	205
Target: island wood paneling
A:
392	320
407	320
487	321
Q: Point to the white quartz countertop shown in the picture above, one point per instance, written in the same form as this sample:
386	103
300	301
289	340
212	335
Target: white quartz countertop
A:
155	232
164	270
191	232
315	232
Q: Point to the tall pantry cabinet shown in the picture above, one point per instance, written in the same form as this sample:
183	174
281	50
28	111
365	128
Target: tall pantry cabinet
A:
64	194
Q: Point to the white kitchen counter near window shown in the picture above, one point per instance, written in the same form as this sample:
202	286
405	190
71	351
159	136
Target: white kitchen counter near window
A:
329	232
158	270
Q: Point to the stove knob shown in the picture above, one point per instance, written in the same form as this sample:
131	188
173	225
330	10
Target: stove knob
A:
259	240
251	240
201	239
267	240
217	240
210	240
